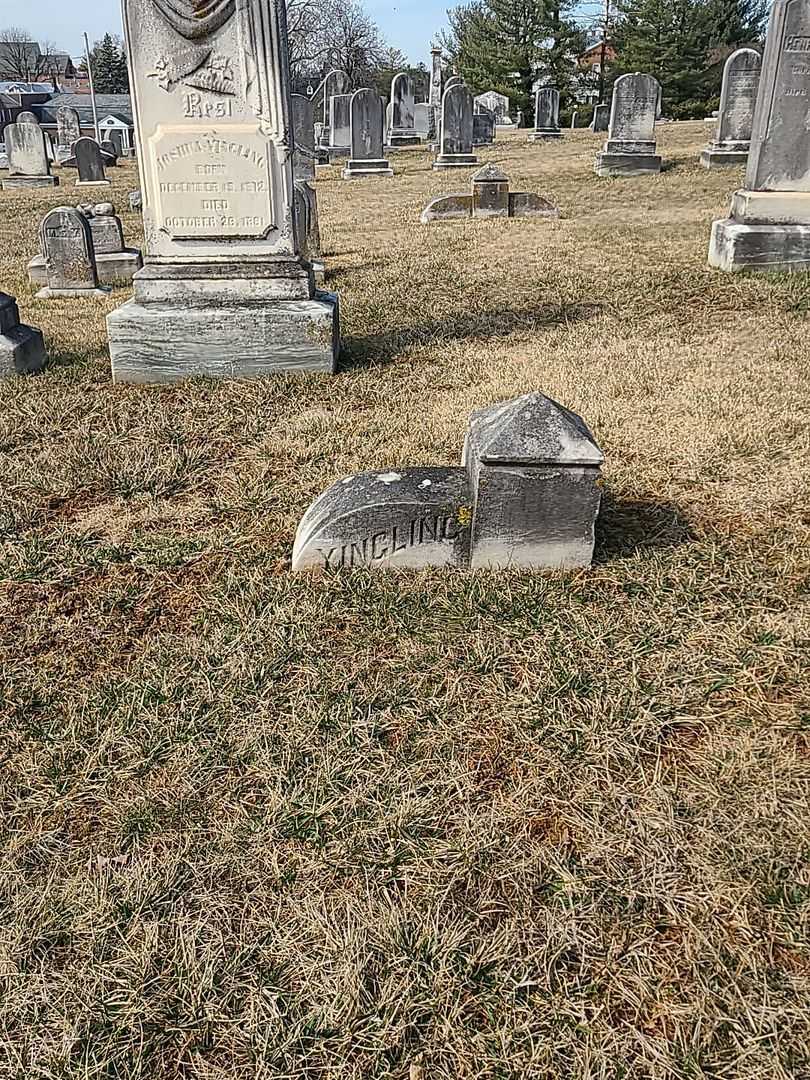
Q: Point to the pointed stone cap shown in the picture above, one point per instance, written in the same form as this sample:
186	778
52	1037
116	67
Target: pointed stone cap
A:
490	174
532	430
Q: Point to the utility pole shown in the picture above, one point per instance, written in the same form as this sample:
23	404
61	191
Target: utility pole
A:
92	91
603	51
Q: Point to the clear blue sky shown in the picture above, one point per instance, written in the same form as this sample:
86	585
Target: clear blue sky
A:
408	26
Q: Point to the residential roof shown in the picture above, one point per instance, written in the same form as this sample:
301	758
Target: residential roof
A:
7	102
119	105
25	60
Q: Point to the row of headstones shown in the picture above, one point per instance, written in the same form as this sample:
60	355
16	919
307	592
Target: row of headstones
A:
30	152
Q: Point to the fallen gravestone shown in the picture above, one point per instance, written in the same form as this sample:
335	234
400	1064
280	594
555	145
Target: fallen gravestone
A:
738	97
367	121
28	163
769	226
89	163
490	197
526	495
546	114
630	146
456	132
115	263
22	350
70	262
225	290
403	120
68	129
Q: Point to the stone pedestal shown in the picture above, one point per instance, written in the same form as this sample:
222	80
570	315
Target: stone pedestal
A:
630	162
361	167
226	290
723	156
455	161
12	182
22	350
767	230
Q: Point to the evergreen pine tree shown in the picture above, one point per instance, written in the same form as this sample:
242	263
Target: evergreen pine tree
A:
109	66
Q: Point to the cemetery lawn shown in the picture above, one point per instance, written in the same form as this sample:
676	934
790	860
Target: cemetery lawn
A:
418	826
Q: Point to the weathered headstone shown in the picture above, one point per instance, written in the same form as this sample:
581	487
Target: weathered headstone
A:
483	128
454	80
26	117
527	495
495	103
403	129
489	197
305	157
68	127
738	96
366	137
339	131
425	120
574	116
109	151
601	117
546	114
225	290
90	163
22	350
630	146
335	84
435	94
116	140
769	225
115	263
70	263
27	157
456	147
303	126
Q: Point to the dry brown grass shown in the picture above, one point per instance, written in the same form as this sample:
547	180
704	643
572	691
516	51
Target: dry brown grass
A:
417	826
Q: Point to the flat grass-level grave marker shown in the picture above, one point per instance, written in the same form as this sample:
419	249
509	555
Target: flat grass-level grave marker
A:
489	197
738	97
224	291
22	350
70	262
28	164
526	495
546	114
456	131
769	224
630	146
367	122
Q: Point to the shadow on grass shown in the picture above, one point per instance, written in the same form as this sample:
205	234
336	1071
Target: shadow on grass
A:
626	526
383	347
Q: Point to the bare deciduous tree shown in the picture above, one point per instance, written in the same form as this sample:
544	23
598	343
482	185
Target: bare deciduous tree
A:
24	60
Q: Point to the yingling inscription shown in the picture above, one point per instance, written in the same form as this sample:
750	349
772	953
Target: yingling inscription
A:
384	545
215	184
798	43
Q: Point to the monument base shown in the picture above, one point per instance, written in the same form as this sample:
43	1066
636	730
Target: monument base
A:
93	183
410	138
358	167
339	153
738	246
29	181
627	164
455	161
115	266
55	294
164	342
718	156
22	350
544	133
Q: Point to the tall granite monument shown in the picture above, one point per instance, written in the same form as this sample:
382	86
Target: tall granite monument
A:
738	96
630	146
769	225
225	290
546	114
435	92
367	122
456	146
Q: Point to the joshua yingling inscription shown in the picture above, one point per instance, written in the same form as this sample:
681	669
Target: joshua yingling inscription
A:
382	545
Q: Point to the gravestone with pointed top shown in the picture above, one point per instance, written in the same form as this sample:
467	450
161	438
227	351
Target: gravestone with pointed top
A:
225	290
70	262
89	163
526	495
22	350
28	162
769	224
456	133
738	96
630	146
546	114
366	137
403	129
